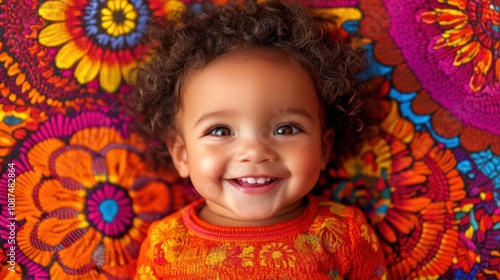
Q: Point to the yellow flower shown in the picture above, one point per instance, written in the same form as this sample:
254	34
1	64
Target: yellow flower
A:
100	38
146	273
216	256
118	17
247	256
172	236
331	231
278	255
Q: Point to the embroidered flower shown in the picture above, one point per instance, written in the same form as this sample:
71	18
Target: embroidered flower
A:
247	256
369	236
100	38
407	189
277	255
331	231
84	199
308	243
470	31
216	256
169	237
118	17
145	272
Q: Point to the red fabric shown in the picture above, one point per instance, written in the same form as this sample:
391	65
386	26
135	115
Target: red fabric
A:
328	241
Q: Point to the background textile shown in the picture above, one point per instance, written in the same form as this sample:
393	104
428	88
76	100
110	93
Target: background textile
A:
83	195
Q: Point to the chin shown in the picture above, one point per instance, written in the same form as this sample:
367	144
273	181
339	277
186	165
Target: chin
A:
249	215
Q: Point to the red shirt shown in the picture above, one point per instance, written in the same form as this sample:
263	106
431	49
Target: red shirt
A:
327	241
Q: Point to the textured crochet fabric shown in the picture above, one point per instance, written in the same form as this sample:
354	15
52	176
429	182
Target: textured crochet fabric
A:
83	197
328	241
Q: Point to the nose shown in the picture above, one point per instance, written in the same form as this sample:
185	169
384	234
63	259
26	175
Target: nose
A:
256	151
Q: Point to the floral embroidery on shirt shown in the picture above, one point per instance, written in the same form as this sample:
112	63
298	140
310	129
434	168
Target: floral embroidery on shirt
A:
216	256
308	243
325	246
247	256
277	255
331	231
171	236
145	272
369	236
339	210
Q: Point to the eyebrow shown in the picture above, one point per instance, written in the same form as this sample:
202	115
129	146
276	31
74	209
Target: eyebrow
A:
231	113
297	111
215	114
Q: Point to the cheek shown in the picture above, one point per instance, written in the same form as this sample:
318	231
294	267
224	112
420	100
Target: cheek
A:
305	161
206	162
308	165
206	167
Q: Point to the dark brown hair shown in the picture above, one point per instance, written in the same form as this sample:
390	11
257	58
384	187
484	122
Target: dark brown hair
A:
204	32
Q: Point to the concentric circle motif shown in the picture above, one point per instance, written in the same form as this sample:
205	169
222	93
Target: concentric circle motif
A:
110	210
408	186
57	55
84	199
447	54
97	38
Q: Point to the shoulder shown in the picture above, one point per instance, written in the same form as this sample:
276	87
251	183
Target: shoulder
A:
352	222
348	218
346	224
333	223
169	227
344	213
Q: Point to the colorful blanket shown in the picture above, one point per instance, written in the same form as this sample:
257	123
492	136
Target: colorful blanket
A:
77	196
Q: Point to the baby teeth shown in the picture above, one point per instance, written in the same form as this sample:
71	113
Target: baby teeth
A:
258	180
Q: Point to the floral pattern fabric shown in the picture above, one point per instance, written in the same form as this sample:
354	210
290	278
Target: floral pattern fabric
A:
428	183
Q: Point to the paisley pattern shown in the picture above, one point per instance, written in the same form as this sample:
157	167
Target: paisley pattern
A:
429	182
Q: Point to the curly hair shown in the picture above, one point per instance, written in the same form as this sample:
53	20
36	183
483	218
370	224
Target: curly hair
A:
193	39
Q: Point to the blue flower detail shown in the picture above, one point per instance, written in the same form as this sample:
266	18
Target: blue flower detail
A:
108	209
11	120
94	30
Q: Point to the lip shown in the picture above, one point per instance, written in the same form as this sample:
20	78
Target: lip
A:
255	189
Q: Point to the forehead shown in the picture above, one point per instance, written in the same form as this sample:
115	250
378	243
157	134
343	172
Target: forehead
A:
258	77
253	70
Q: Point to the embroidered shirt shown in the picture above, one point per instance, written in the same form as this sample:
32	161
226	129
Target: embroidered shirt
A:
327	241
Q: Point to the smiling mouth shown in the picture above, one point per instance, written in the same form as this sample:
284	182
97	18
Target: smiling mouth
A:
254	182
255	185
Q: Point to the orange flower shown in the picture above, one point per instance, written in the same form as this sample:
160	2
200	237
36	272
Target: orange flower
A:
86	193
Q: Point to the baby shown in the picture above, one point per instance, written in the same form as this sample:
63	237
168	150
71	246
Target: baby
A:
248	100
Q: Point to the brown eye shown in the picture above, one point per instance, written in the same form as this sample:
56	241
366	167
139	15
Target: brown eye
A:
286	130
220	131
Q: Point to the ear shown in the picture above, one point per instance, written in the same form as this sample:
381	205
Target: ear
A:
326	147
177	150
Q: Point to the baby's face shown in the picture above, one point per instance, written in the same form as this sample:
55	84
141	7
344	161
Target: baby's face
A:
250	136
